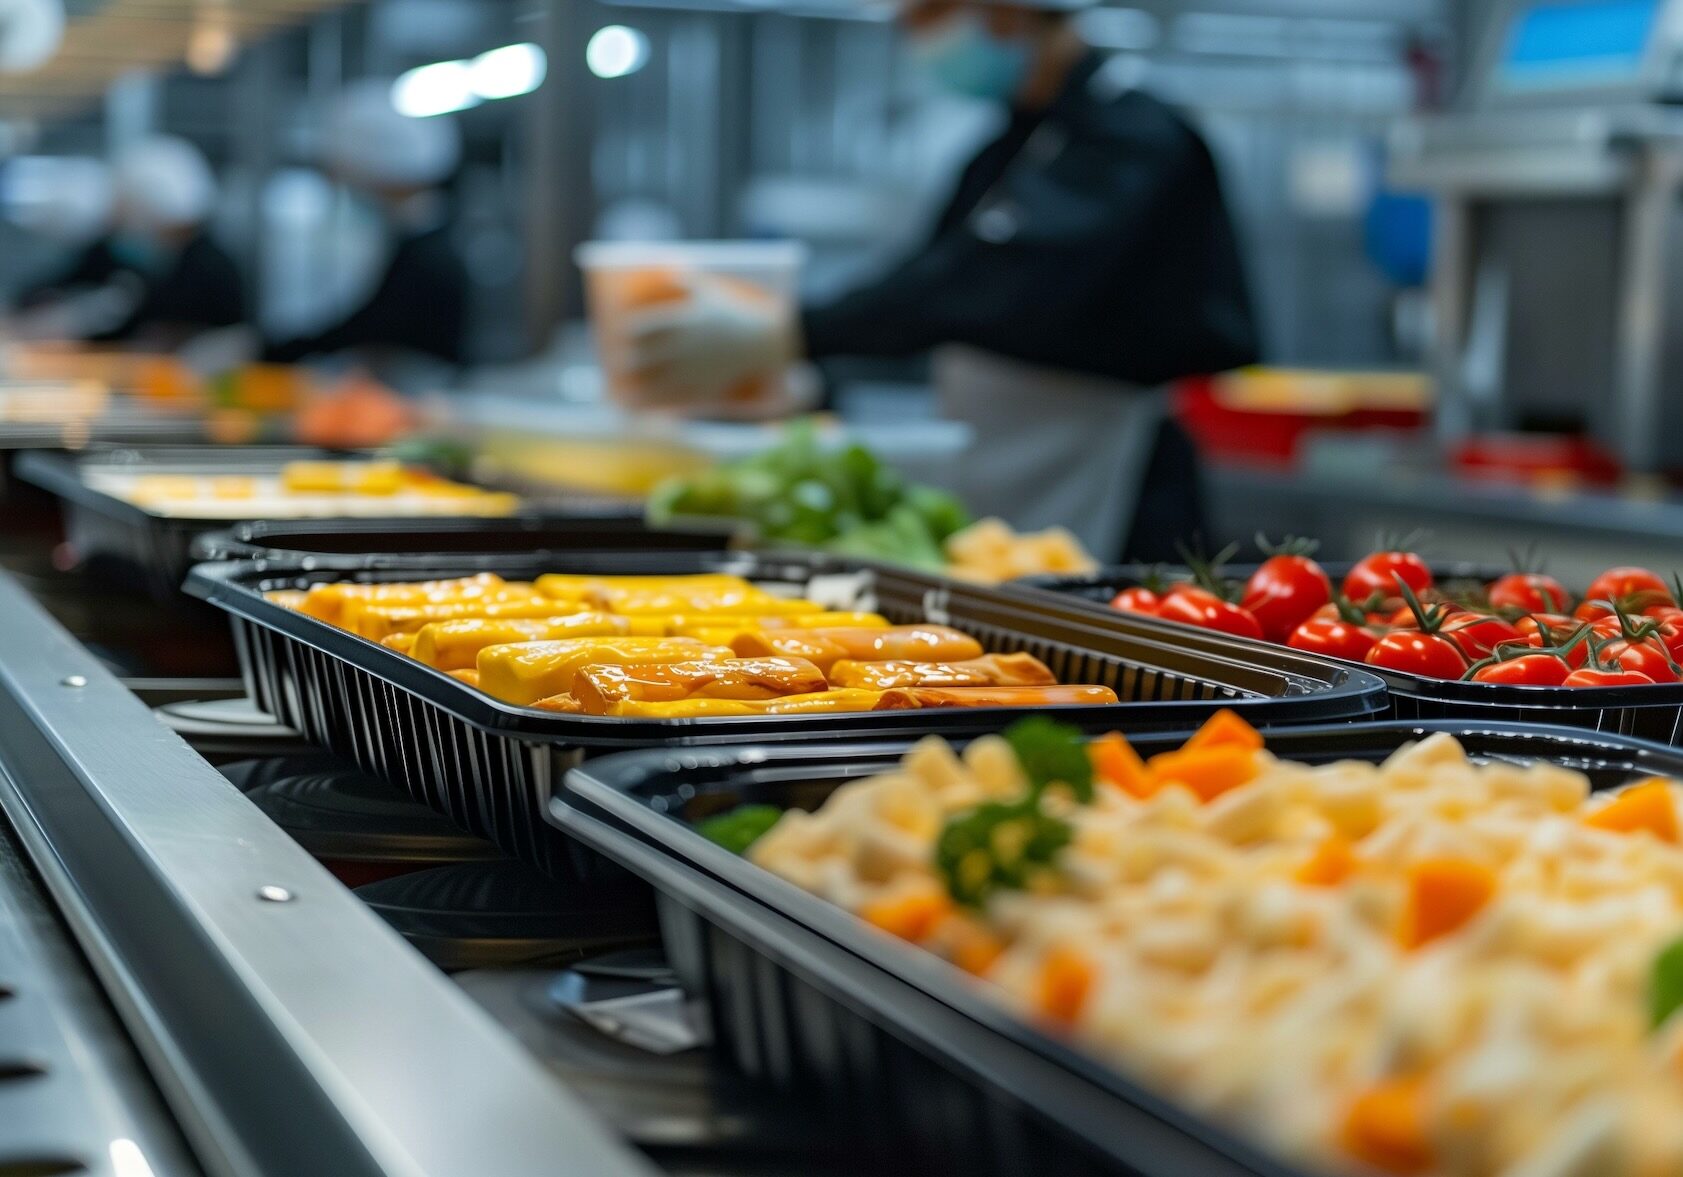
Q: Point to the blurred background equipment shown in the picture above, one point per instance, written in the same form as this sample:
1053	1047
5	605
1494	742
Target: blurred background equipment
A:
1558	257
1452	220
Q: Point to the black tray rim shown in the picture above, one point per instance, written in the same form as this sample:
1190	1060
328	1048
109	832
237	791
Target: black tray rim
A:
226	584
253	539
1065	590
594	805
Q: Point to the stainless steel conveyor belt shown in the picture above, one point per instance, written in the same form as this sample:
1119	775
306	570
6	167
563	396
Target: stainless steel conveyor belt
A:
269	1024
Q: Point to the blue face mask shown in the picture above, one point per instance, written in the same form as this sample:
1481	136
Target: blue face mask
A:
138	252
963	57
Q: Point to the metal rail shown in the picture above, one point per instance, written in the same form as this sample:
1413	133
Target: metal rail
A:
74	1098
290	1031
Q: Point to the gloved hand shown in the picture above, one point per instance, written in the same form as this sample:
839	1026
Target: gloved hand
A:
708	347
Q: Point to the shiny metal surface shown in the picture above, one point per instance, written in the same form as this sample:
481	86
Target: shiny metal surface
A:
73	1096
288	1038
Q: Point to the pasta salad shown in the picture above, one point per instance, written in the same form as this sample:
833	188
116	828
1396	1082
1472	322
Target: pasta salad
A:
1426	966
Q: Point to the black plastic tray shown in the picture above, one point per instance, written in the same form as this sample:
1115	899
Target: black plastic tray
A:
489	765
126	543
599	527
803	995
1646	712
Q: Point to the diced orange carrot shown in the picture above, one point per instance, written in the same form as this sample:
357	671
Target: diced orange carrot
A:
1223	728
1115	760
1647	806
910	917
973	947
1065	981
1443	894
1208	772
1333	861
1385	1126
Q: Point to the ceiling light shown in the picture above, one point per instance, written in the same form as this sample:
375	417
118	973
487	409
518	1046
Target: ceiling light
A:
508	72
616	51
127	1160
211	45
442	88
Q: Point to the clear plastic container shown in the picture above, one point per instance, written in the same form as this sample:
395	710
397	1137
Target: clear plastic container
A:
622	278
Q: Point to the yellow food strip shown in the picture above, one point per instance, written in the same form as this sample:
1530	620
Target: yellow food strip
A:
371	478
287	598
403	643
154	487
792	643
691	625
455	645
990	670
529	671
470	677
355	610
916	698
563	704
575	587
599	688
378	621
327	601
897	643
822	703
729	603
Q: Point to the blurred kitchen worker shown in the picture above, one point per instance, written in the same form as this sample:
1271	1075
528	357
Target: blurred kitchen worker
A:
397	164
1085	258
158	278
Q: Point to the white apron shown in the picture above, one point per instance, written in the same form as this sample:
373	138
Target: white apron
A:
1051	448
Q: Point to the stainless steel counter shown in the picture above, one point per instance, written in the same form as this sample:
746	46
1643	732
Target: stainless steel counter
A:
288	1030
1579	533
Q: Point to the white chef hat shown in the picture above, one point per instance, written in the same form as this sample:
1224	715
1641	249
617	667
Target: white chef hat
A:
369	143
31	32
162	182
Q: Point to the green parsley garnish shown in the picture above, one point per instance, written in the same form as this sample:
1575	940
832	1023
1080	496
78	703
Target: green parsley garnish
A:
740	828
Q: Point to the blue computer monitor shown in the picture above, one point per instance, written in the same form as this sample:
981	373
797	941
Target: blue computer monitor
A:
1572	45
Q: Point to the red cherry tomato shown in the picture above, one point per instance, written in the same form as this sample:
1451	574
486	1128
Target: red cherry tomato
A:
1529	592
1555	622
1138	599
1607	625
1630	587
1575	656
1670	634
1596	609
1378	573
1283	592
1479	635
1404	618
1645	657
1332	636
1607	678
1528	670
1418	653
1196	606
